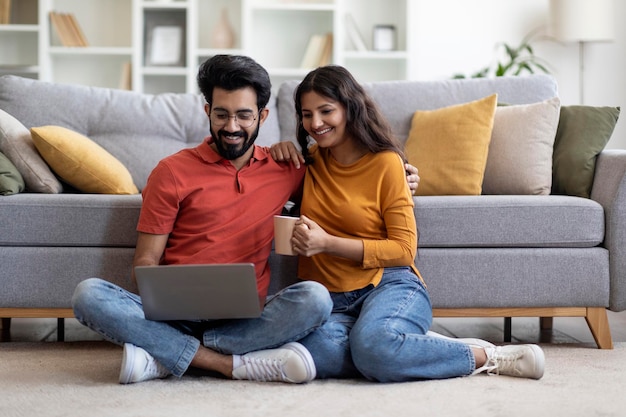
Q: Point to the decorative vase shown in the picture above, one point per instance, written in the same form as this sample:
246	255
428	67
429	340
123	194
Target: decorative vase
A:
223	35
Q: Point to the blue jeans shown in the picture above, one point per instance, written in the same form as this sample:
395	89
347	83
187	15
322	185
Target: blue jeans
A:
117	315
380	333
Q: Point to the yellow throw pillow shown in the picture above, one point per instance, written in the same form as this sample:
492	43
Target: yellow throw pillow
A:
81	162
449	146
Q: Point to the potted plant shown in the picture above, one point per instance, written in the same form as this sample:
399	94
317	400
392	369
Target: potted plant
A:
515	60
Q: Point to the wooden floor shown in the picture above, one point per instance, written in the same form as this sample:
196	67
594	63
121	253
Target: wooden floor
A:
523	330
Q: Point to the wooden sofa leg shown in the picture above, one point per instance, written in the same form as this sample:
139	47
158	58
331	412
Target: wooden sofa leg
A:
6	328
598	323
60	329
546	323
508	322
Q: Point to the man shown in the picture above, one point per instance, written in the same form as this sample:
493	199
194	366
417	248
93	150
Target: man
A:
214	204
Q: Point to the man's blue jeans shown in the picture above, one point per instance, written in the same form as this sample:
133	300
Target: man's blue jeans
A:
117	315
380	333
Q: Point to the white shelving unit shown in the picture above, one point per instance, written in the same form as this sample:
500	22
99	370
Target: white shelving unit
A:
19	41
278	33
274	32
107	27
147	15
373	65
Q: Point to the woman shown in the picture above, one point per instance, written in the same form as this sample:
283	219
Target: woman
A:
357	236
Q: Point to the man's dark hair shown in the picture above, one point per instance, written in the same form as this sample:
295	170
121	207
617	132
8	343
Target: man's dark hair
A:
233	72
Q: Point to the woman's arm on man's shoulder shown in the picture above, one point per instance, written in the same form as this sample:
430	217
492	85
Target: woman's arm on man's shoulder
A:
287	151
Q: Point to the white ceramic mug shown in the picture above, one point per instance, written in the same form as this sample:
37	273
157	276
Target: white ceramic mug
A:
283	230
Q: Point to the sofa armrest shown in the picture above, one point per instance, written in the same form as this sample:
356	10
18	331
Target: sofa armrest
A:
609	189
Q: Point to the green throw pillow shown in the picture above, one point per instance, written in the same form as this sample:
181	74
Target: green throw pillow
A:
11	181
582	134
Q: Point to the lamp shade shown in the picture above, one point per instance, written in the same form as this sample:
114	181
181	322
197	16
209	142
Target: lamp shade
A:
582	20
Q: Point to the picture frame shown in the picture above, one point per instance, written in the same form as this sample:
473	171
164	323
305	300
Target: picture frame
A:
384	38
165	40
165	46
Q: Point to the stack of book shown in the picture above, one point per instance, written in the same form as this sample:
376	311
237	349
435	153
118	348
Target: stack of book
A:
318	52
5	12
68	29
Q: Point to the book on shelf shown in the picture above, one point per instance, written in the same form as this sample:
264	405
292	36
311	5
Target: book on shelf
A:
353	33
59	28
312	51
5	12
77	30
67	29
318	51
126	82
327	53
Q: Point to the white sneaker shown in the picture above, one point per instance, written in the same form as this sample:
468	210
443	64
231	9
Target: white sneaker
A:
289	363
523	361
138	365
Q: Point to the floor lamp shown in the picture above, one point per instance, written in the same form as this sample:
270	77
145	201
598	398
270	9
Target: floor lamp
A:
582	21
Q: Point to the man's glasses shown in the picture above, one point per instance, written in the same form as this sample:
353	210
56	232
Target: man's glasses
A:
243	118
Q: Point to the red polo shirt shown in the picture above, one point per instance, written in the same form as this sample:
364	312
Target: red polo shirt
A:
214	213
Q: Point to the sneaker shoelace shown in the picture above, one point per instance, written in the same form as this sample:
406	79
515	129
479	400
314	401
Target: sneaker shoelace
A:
156	369
503	363
264	369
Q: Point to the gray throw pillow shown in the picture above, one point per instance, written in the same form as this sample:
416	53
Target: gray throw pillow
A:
18	146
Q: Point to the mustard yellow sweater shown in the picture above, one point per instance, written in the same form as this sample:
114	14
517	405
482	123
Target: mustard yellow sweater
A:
367	200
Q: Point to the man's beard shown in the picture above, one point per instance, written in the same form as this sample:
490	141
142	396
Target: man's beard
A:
229	151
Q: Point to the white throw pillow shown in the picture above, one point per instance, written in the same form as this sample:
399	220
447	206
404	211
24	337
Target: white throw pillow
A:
520	151
18	146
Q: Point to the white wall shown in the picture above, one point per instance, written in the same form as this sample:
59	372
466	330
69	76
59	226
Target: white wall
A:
459	36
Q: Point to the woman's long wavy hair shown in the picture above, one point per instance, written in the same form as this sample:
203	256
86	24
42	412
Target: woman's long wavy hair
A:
365	123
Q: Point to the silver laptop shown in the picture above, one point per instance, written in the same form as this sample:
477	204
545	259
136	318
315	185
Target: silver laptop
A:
198	292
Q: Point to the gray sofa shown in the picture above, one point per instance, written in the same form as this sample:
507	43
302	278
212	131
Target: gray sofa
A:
481	256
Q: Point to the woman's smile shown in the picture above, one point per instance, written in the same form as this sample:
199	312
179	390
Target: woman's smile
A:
323	131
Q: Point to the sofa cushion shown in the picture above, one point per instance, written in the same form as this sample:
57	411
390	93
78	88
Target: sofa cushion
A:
137	129
81	162
520	151
49	220
269	133
11	181
45	277
582	134
515	277
489	221
450	145
398	100
16	143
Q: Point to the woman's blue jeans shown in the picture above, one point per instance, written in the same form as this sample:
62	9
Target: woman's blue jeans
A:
118	315
380	333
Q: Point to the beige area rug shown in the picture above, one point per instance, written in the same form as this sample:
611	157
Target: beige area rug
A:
80	379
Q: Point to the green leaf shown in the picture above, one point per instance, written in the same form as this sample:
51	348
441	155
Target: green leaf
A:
511	52
518	60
